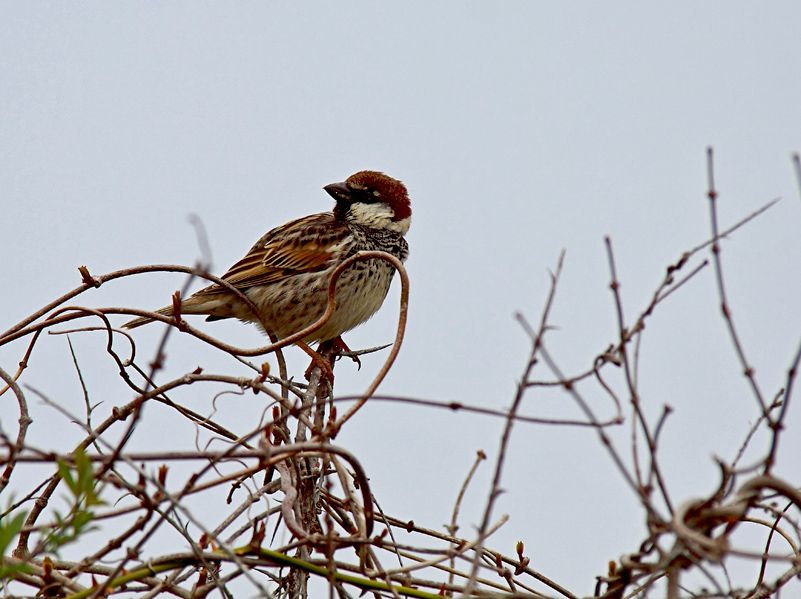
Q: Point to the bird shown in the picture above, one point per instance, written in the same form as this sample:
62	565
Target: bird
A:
287	271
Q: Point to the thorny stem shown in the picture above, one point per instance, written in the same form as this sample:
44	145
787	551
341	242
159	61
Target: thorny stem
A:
24	422
495	488
453	528
748	370
792	372
634	396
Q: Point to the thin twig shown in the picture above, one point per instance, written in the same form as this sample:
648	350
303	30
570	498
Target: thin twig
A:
495	488
748	370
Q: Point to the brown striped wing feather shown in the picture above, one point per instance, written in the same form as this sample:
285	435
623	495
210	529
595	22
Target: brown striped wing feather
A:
304	245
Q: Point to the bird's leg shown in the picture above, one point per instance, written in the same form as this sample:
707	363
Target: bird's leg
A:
324	363
340	347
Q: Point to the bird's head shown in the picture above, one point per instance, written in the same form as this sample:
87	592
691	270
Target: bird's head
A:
372	199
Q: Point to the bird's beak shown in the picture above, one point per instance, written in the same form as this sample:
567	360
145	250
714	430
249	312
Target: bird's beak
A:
339	191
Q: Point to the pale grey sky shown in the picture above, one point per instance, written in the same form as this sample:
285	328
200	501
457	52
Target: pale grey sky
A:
520	128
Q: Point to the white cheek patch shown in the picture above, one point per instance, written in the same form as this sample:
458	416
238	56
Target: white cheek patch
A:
377	216
401	226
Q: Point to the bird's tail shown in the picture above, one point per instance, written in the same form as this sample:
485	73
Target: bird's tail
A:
138	322
216	307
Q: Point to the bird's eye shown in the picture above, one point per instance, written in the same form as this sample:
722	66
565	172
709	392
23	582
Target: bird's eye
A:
363	194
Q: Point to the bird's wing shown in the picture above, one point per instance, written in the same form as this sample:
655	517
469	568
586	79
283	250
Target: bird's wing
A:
307	244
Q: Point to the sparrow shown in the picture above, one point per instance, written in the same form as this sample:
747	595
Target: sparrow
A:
286	272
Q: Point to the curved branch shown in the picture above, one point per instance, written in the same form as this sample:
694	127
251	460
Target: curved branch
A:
24	422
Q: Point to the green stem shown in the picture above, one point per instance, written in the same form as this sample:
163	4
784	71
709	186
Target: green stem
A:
274	557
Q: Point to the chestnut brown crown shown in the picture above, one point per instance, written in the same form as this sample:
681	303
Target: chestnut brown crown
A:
372	187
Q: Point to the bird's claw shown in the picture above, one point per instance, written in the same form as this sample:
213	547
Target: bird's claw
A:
326	370
342	349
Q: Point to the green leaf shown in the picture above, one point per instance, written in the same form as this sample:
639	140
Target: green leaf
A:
10	529
94	500
65	474
8	571
81	519
86	475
